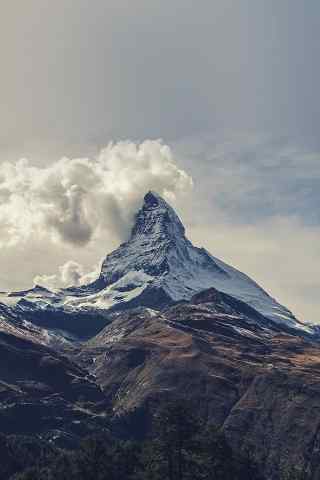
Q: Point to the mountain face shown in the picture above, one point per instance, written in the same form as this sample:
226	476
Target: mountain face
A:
165	320
258	383
44	393
158	266
159	257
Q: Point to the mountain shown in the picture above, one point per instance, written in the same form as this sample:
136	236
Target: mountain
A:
158	266
165	320
258	382
42	391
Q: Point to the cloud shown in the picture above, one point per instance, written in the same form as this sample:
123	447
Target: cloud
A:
249	176
253	205
70	274
73	200
258	197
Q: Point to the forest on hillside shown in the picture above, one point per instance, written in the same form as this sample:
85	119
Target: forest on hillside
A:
181	447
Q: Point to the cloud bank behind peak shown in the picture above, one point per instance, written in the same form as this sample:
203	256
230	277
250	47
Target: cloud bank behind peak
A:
74	200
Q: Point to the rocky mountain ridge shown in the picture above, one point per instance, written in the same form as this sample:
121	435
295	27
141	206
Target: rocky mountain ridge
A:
165	320
257	382
156	267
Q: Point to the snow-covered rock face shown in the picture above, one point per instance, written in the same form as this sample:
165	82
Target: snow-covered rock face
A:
158	247
158	256
158	265
156	218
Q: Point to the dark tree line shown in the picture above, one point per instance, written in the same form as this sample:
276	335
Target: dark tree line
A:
181	448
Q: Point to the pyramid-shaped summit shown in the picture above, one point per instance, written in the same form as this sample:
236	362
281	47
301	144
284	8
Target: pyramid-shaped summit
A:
159	266
159	249
156	217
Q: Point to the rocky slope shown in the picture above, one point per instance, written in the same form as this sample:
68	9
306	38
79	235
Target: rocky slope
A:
164	320
257	381
42	391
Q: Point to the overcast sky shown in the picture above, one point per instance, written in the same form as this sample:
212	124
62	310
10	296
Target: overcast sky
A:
232	89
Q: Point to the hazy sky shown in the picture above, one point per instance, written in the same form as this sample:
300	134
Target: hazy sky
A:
231	86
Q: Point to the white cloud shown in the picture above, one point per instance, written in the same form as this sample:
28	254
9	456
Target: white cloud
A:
253	205
73	200
70	274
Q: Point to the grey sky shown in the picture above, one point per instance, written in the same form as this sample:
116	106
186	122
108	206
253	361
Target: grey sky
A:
230	85
76	73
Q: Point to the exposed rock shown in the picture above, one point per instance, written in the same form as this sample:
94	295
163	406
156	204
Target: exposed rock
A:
44	393
260	384
169	321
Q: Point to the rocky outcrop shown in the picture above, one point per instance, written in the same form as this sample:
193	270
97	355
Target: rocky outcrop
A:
260	384
43	392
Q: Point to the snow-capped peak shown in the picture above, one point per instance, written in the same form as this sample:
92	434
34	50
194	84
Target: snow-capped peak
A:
157	266
159	249
156	217
157	231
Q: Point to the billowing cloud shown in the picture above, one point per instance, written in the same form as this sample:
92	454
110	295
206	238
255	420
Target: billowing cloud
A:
70	274
73	200
253	205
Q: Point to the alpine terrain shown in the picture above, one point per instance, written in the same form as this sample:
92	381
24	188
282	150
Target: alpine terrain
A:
165	320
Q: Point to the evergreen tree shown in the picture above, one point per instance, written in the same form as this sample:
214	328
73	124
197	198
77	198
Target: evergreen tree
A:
181	448
175	429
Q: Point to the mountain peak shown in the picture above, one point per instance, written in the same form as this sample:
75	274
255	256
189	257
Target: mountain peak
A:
158	261
157	218
159	266
152	199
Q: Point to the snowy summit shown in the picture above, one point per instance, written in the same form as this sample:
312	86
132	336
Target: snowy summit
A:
157	267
